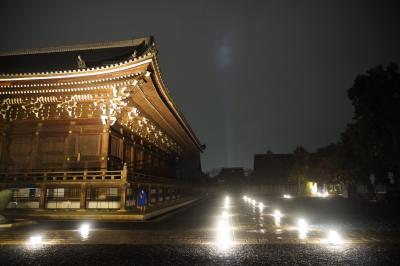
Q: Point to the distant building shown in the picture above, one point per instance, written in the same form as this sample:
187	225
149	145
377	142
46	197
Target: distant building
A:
270	168
89	126
231	175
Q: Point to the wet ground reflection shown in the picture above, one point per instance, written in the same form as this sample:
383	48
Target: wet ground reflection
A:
228	227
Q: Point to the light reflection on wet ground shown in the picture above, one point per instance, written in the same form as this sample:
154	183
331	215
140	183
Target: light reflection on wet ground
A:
231	228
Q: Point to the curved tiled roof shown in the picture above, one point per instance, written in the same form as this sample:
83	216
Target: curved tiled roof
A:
65	58
21	69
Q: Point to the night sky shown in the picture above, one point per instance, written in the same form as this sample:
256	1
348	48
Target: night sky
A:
249	76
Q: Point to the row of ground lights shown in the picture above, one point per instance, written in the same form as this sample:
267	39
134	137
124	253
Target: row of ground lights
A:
333	237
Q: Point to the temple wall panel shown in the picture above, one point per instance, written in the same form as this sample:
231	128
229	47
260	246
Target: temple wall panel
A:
52	145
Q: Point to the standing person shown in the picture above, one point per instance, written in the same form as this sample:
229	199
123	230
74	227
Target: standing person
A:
142	200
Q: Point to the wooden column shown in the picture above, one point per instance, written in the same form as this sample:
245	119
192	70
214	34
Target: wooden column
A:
3	147
133	158
137	195
122	204
104	146
35	147
83	197
149	195
42	200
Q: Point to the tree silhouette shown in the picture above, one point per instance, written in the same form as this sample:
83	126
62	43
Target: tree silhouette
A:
371	141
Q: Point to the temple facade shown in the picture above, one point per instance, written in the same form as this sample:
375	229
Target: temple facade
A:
89	126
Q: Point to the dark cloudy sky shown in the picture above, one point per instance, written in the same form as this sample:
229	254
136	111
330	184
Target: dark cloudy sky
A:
248	75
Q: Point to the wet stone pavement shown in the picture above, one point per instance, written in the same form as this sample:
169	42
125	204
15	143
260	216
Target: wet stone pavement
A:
225	230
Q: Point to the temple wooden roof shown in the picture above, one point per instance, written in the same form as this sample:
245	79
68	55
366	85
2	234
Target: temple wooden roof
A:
99	67
65	57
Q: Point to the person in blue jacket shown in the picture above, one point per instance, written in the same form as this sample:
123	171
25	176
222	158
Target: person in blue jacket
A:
142	200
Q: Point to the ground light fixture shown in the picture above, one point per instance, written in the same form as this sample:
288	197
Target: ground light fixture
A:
84	230
226	203
287	196
323	194
35	240
224	237
302	228
277	217
333	238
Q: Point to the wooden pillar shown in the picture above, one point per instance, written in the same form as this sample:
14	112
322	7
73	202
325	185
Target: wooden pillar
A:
122	204
104	146
149	195
3	146
42	200
82	197
35	147
132	164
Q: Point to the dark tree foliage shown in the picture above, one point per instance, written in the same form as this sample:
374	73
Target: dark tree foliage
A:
324	166
371	142
328	164
301	163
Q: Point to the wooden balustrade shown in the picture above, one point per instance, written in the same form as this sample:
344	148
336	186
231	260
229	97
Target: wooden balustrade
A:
69	176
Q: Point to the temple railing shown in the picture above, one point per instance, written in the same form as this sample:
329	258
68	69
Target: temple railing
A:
66	176
150	179
85	176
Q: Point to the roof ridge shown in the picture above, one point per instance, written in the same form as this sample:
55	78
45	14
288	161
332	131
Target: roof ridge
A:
78	47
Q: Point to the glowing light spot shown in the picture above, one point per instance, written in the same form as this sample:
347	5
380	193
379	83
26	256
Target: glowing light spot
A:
302	228
333	238
261	206
84	231
314	188
226	203
35	240
277	217
224	238
287	196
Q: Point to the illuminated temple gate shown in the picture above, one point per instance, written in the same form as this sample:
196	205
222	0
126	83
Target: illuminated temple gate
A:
87	126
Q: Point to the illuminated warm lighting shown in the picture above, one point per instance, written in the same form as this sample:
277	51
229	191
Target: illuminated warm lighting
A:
323	194
314	188
244	198
261	206
333	238
84	231
302	228
253	202
287	196
35	240
277	217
